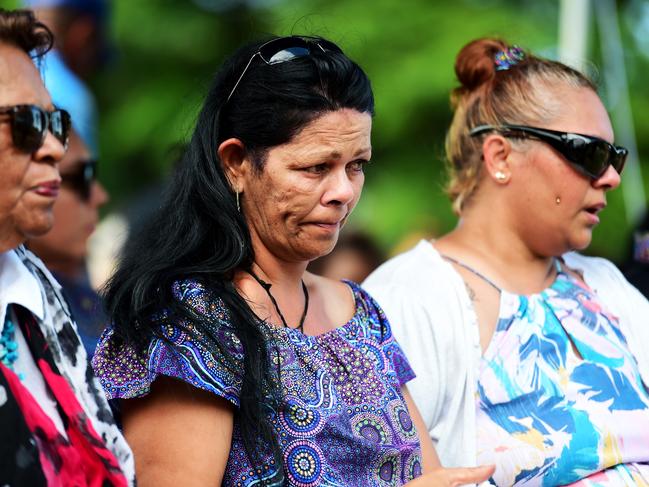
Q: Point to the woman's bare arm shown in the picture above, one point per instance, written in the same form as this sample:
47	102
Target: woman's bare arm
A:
180	435
429	458
434	475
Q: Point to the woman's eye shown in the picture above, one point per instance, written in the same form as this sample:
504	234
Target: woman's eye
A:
358	166
317	169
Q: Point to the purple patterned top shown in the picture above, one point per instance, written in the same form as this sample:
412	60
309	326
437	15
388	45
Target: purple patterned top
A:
343	421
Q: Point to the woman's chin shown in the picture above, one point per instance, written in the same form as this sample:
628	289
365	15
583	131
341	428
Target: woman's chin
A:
315	252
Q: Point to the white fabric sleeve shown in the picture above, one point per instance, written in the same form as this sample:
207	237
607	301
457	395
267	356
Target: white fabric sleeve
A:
432	333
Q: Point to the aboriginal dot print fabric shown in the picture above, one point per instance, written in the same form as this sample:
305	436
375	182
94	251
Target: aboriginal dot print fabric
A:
560	399
343	421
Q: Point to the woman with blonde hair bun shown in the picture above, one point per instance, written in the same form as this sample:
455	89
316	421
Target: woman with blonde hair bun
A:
528	355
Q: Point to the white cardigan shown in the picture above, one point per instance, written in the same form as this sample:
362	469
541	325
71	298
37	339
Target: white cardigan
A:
432	317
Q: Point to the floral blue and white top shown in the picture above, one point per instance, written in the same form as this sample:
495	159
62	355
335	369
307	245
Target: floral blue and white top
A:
560	400
343	421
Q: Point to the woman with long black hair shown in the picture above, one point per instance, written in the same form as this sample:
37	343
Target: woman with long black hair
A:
235	365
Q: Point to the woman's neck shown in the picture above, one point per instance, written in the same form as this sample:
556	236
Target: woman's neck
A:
279	272
68	268
492	243
288	301
9	238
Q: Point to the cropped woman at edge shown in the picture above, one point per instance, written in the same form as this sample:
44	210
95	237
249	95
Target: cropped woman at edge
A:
528	356
234	365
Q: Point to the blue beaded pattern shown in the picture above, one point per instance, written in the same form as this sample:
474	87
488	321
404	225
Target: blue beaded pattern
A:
342	420
9	346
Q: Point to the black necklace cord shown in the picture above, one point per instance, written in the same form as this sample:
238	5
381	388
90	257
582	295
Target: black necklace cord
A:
266	287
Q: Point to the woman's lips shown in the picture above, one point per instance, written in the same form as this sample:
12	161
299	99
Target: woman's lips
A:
329	226
593	219
593	211
49	189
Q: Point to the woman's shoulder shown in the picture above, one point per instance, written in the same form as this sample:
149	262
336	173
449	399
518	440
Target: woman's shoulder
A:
596	271
199	350
199	298
418	270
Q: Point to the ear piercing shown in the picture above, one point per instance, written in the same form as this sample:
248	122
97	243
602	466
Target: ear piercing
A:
238	206
500	176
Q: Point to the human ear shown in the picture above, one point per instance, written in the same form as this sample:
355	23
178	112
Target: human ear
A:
495	153
232	154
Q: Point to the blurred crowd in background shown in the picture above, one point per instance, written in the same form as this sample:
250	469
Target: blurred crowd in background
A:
132	75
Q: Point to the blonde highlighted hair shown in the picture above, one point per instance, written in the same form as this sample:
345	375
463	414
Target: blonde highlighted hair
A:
520	93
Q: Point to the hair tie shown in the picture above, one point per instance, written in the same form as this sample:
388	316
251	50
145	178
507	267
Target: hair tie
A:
509	57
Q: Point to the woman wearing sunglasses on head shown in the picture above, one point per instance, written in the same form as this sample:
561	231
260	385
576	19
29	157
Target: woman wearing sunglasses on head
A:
64	248
529	356
234	366
56	427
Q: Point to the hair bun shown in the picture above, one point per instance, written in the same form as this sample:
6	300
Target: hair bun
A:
475	63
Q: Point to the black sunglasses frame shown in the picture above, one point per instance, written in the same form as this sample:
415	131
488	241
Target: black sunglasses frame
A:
577	149
81	179
30	123
292	47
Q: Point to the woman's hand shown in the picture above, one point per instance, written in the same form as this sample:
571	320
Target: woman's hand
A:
453	477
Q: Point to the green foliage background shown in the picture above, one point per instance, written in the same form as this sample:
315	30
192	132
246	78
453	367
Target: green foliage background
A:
167	51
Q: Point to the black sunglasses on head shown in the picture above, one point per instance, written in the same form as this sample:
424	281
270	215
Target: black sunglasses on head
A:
30	123
589	155
285	49
81	179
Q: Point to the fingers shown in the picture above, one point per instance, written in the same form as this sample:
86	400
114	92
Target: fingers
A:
473	475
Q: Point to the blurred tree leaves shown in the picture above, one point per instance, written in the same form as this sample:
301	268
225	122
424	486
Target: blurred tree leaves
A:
167	51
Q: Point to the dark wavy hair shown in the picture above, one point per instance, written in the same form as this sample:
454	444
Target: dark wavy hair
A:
197	231
21	29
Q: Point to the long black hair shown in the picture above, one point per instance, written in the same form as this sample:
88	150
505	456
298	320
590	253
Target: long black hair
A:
198	232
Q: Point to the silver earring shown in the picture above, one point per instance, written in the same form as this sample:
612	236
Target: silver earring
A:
558	200
500	176
238	206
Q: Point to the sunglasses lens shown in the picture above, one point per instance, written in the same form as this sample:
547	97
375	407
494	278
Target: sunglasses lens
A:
60	125
81	180
284	49
29	124
620	159
595	157
287	48
288	54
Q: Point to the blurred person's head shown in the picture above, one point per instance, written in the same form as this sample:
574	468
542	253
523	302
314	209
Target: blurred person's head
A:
32	133
76	212
274	166
79	31
355	256
531	141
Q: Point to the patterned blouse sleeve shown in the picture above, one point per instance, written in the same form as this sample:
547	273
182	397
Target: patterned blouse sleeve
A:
181	351
382	332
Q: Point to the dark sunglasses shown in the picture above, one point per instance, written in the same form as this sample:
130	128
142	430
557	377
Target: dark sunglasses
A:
30	123
285	49
81	179
589	155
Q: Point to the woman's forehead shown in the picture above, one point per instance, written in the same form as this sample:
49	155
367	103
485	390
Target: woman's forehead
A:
582	111
340	126
20	81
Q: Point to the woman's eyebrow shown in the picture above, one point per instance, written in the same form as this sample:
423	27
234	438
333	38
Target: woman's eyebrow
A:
338	155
